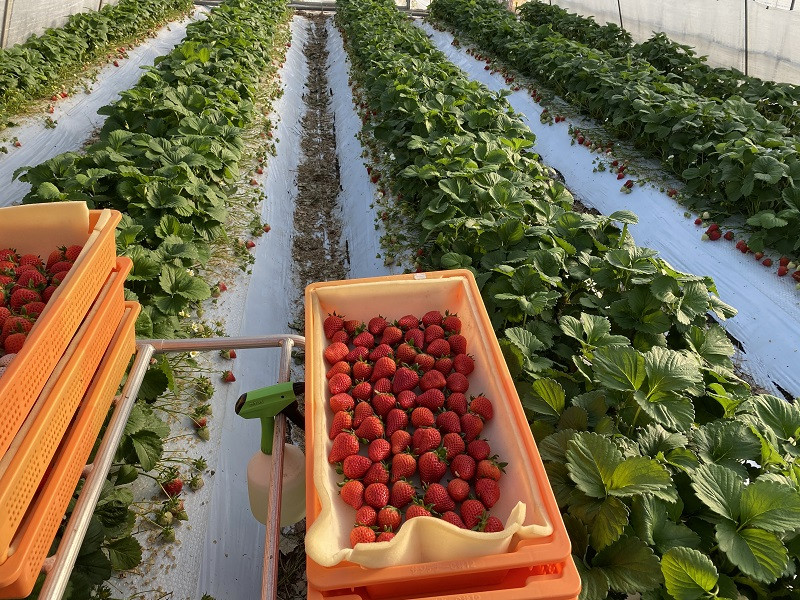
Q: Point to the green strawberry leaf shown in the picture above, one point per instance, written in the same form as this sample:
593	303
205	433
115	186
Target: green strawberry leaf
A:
771	506
630	565
594	582
758	553
688	574
727	443
124	553
719	488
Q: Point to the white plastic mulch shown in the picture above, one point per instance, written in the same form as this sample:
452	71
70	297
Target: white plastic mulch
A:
768	323
76	116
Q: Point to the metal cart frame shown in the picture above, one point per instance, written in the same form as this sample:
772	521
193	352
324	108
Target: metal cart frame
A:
58	567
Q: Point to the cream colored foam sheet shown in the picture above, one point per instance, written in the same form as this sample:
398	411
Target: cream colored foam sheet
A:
423	539
41	228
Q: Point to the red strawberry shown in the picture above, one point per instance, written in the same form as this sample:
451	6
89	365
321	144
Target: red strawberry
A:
425	439
463	363
415	337
758	255
431	466
376	495
56	256
383	403
340	367
173	487
482	406
366	516
454	519
365	339
434	332
437	496
448	422
438	348
7	254
728	235
361	412
432	380
433	317
796	276
362	370
341	336
4	314
404	465
377	473
783	261
382	386
425	362
384	367
472	513
391	335
379	449
458	344
408	322
344	445
370	429
493	524
341	420
401	440
407	400
479	449
451	323
453	444
463	467
444	365
405	354
352	492
228	377
396	419
404	379
422	416
32	260
415	510
16	324
14	342
782	271
362	391
376	325
471	425
339	383
360	535
490	468
458	489
767	262
697	221
357	354
488	491
351	325
402	493
457	382
355	466
389	518
432	398
457	402
714	235
385	536
23	296
380	351
336	352
341	401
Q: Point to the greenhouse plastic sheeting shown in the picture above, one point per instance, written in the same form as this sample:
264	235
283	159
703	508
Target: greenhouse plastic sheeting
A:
749	35
19	19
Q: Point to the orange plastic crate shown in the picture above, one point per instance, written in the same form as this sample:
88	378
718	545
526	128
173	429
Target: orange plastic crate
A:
35	228
30	453
38	529
33	538
393	297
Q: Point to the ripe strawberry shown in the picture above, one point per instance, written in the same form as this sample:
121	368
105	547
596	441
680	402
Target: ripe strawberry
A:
432	380
383	403
250	243
783	261
728	235
336	352
404	465
396	419
361	535
425	362
434	332
362	370
758	255
456	382
376	325
767	262
339	383
488	491
30	260
482	406
479	449
377	473
389	518
463	363
400	441
463	466
457	402
448	422
380	351
796	276
376	495
490	468
782	271
402	493
357	354
437	496
8	254
71	254
14	342
472	513
415	337
431	466
714	235
391	336
366	516
422	416
340	336
56	256
341	401
16	324
433	317
351	325
361	412
492	525
453	444
438	348
471	425
425	439
415	510
23	296
361	391
407	400
173	487
365	339
116	62
452	518
345	444
385	536
384	367
382	386
228	377
451	323
378	450
458	344
340	367
404	379
432	398
458	489
444	365
408	322
355	466
370	429
341	420
406	353
4	314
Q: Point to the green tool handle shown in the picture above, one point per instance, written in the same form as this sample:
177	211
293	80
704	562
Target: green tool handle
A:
267	434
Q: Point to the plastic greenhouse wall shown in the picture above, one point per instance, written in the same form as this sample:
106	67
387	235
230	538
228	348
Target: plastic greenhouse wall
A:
19	19
758	37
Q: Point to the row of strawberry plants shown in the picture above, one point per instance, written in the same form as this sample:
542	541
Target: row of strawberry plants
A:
169	158
39	66
734	161
673	479
777	101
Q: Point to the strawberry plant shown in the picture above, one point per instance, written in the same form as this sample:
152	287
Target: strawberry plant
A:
668	470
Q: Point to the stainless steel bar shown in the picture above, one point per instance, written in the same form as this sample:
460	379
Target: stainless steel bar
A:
61	567
269	581
221	343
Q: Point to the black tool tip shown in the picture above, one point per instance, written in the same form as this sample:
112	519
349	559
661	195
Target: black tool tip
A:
240	403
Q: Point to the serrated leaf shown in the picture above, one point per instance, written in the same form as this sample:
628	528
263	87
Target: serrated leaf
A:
621	369
624	216
93	540
727	443
554	447
177	282
639	475
125	553
719	488
688	574
546	397
148	446
574	417
771	506
591	460
563	487
654	438
669	373
609	523
594	583
94	566
630	565
758	553
674	412
578	534
782	417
